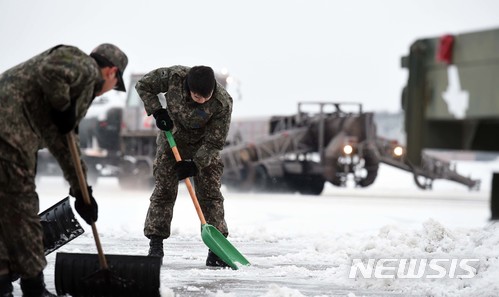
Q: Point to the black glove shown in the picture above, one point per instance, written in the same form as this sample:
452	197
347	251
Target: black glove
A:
163	120
64	120
87	212
185	168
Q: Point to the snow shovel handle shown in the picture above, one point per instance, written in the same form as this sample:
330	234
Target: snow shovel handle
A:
84	191
190	188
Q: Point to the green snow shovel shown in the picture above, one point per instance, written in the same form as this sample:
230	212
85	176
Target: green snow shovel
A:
215	240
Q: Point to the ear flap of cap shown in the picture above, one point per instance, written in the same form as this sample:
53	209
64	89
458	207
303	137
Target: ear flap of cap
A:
120	85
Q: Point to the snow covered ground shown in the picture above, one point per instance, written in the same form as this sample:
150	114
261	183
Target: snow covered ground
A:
304	245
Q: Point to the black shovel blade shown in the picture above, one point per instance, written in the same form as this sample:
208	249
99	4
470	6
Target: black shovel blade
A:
80	275
59	225
104	282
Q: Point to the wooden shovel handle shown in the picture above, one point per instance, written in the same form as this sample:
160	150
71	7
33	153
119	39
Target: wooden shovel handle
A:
84	191
190	188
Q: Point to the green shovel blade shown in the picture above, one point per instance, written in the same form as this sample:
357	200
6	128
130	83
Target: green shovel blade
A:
218	244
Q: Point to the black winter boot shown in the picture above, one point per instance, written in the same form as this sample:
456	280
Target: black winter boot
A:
5	286
35	287
156	247
214	260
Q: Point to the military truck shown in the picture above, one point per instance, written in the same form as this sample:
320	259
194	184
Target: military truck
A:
451	100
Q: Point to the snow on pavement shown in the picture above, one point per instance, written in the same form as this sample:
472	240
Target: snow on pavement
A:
304	245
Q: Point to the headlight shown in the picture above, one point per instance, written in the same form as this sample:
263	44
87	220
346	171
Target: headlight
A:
398	151
347	149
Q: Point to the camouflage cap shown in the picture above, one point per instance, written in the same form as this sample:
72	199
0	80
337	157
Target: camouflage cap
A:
118	58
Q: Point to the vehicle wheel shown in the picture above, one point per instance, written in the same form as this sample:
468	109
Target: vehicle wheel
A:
261	180
371	166
311	185
243	182
135	176
126	178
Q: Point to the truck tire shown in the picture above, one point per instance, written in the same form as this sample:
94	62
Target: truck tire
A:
310	185
135	175
371	165
261	180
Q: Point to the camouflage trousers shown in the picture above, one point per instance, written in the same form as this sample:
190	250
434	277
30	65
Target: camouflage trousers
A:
207	185
21	234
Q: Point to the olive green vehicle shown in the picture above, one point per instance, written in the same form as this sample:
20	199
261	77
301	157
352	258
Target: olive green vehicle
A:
451	100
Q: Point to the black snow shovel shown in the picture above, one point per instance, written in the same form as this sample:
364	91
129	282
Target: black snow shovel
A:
59	225
213	239
97	275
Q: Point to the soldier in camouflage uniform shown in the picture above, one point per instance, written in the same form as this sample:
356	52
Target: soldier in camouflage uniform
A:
198	111
41	100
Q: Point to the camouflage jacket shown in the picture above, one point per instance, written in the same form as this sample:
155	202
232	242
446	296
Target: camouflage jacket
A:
201	126
28	93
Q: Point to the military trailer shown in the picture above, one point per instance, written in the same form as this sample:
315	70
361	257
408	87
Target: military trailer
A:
301	152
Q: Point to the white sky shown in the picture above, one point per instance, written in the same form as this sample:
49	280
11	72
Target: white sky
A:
281	51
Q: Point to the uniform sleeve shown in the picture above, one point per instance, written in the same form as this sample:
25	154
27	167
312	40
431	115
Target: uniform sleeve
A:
150	85
66	75
214	140
62	70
